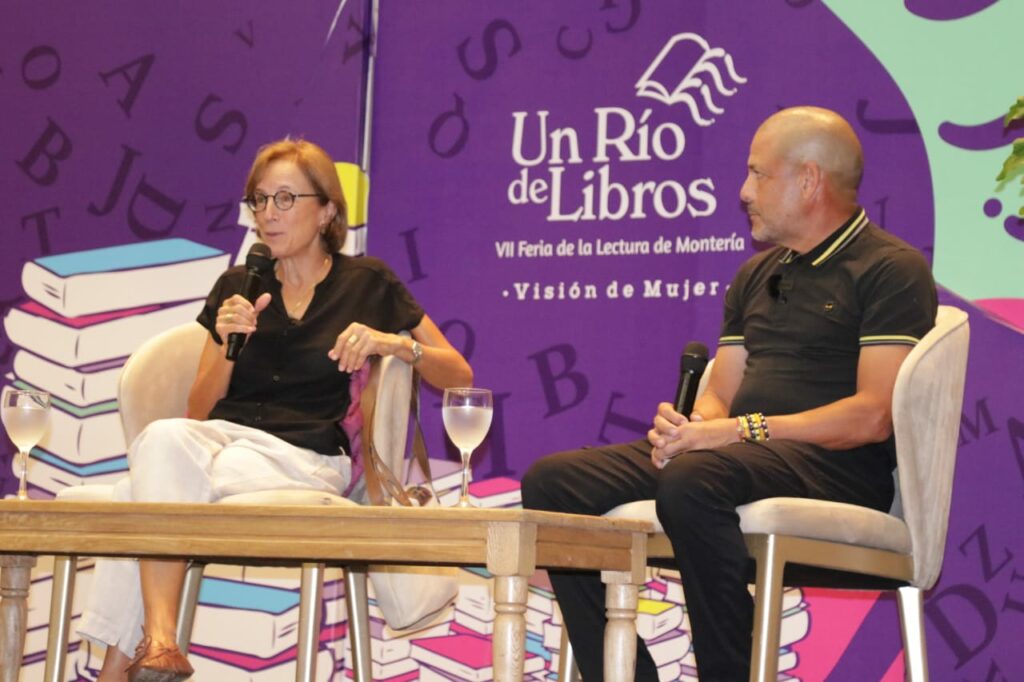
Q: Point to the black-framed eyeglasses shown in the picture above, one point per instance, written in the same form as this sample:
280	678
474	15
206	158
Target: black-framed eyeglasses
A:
283	199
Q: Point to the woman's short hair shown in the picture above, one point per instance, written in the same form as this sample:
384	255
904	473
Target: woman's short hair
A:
318	167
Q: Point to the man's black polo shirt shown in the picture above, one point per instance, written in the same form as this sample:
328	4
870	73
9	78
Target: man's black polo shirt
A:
804	318
283	382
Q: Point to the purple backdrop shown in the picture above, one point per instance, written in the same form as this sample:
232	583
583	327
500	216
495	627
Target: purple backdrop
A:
450	84
133	122
123	123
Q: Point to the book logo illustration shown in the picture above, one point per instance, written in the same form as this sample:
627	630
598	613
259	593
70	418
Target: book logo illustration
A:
685	71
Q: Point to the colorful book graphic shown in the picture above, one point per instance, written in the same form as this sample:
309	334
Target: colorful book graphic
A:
475	599
50	473
496	492
388	646
671	646
655	618
465	656
796	623
335	611
533	645
230	667
552	634
446	473
250	619
535	620
490	492
541	599
480	626
81	386
404	677
89	311
788	659
398	668
669	672
96	337
124	276
428	674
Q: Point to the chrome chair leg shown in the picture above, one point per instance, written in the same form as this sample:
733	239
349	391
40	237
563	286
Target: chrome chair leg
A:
62	596
356	599
310	598
915	651
568	671
767	609
187	604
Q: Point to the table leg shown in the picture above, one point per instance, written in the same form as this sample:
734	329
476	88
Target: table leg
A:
509	639
622	593
621	597
511	559
15	572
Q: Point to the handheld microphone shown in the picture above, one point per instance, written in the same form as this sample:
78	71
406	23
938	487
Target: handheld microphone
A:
257	263
691	367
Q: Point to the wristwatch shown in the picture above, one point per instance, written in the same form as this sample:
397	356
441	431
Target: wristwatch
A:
417	351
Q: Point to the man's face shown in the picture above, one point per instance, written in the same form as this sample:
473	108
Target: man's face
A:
771	192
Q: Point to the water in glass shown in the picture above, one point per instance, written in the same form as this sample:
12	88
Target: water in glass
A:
25	415
467	417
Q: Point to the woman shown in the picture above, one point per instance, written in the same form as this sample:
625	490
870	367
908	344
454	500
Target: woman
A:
269	420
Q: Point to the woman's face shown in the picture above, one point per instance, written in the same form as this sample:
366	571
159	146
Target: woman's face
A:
295	231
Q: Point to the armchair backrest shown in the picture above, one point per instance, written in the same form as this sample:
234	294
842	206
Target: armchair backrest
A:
157	378
927	402
391	381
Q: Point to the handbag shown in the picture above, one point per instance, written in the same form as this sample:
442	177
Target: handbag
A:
410	597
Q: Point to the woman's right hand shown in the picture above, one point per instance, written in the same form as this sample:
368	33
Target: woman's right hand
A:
237	315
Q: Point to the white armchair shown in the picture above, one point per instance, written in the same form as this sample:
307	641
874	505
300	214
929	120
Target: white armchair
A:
155	384
904	547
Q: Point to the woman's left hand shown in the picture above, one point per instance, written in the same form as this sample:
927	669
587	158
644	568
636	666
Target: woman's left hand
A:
359	342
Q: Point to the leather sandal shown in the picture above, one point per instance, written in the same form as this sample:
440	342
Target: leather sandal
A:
158	663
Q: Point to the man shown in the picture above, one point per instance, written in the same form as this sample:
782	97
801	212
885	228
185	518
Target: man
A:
798	402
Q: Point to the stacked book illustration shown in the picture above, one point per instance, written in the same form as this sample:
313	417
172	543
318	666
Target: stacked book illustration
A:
87	311
487	493
390	650
246	626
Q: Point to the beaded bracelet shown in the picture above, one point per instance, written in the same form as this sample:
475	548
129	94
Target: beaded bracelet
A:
752	427
742	428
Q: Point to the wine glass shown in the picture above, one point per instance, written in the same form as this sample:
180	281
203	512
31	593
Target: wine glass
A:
467	417
25	415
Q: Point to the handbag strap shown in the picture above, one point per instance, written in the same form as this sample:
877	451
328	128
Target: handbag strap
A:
379	477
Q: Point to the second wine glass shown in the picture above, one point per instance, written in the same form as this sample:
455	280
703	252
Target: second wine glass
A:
467	417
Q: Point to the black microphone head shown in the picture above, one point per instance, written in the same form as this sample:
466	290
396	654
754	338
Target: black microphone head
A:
259	258
694	358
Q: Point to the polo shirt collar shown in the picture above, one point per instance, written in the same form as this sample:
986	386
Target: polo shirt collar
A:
835	242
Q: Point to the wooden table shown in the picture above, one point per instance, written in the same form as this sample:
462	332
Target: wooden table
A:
510	543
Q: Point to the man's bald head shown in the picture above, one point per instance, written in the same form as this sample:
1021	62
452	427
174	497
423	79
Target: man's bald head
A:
821	136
